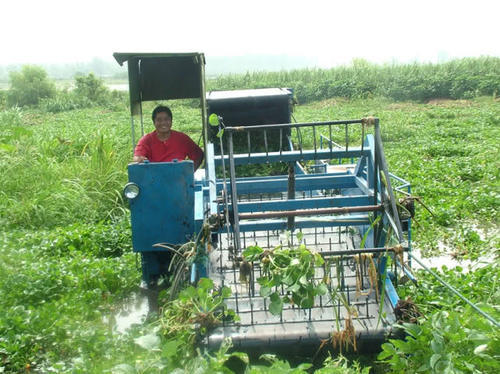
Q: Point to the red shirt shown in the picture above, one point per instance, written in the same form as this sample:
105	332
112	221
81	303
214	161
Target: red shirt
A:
177	146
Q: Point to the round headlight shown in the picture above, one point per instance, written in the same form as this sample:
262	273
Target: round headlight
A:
131	190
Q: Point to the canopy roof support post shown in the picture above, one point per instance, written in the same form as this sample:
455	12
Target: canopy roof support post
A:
142	120
132	126
203	101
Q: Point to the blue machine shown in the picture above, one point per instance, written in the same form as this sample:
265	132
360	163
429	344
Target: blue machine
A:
161	212
266	180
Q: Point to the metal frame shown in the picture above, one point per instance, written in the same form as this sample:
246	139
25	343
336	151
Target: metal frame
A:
260	207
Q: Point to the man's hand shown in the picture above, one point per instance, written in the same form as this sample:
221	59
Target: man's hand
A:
139	159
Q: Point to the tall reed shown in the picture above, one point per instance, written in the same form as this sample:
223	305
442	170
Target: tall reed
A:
458	79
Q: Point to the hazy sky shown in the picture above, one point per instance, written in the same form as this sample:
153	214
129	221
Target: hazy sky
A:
333	32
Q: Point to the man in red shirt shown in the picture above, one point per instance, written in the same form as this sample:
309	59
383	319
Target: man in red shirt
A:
165	144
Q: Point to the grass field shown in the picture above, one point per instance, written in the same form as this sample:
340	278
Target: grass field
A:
66	259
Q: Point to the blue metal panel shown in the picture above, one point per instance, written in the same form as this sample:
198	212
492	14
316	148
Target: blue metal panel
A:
391	292
290	156
164	209
302	183
387	286
328	221
317	203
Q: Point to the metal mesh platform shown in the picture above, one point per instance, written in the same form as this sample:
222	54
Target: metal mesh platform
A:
347	276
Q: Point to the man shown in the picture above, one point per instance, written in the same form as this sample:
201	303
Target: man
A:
165	144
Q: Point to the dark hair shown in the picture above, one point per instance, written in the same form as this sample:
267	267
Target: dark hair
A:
161	108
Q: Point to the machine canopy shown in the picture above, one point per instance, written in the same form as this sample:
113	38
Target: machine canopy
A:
163	76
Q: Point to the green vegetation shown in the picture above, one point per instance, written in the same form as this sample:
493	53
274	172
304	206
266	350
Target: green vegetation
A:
292	268
445	149
458	79
452	337
29	86
61	169
55	295
90	91
65	248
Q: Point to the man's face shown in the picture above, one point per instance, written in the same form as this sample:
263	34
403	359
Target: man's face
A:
163	123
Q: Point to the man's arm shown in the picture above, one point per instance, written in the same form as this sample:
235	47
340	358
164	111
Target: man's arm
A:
198	161
194	152
142	149
139	158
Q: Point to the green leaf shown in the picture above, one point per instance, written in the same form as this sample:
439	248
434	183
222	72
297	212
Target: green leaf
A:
206	284
294	287
252	253
387	350
220	133
383	355
412	329
300	236
303	280
169	348
436	346
269	357
7	147
424	367
322	289
304	366
189	292
265	291
307	302
276	306
213	119
225	292
469	366
275	296
478	337
434	360
401	345
288	280
318	259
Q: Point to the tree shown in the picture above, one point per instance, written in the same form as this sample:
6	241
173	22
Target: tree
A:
92	88
29	85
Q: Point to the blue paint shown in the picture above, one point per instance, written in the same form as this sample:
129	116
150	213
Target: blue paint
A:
306	182
317	203
163	212
292	156
388	286
303	223
391	292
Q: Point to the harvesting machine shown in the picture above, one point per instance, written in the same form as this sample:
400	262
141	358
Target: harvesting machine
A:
274	195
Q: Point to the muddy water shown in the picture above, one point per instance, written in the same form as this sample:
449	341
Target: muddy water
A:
451	262
134	311
118	86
